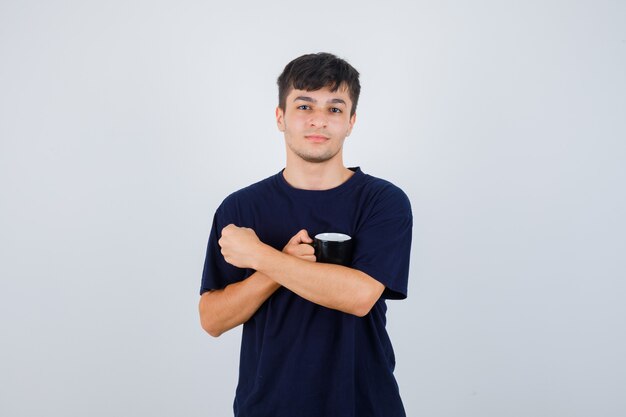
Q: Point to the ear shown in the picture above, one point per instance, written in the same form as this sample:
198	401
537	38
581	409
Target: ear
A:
280	119
351	124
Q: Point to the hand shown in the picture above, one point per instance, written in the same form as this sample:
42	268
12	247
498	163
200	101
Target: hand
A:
240	245
300	246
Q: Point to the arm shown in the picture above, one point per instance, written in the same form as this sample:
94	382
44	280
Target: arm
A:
222	310
333	286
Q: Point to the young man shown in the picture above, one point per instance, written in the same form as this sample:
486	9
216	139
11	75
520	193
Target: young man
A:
314	341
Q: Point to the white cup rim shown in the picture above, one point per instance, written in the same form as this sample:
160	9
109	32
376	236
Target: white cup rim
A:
332	237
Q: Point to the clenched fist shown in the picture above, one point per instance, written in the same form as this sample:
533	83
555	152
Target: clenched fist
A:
240	246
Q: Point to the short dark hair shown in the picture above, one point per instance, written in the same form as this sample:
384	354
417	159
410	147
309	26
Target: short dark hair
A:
315	71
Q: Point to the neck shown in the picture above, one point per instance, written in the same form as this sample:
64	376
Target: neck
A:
316	176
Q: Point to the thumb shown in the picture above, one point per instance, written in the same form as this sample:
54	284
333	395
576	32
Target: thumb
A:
303	236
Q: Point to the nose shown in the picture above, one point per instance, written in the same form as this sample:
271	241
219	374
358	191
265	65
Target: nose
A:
318	119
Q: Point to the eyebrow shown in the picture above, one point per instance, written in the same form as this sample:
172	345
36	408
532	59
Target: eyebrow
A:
312	100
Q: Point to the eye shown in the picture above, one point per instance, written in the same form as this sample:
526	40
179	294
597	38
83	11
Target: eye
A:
335	110
304	107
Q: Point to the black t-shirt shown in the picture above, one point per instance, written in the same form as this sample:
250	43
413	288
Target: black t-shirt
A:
299	358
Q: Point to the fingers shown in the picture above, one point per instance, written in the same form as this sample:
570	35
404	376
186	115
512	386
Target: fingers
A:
239	245
301	237
228	230
231	228
302	255
304	236
300	246
298	249
302	251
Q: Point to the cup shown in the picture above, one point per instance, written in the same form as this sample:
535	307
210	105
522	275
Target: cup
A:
333	248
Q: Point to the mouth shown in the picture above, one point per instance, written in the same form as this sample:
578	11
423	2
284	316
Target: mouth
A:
316	138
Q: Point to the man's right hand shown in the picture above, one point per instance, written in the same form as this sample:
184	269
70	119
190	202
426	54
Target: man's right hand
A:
300	245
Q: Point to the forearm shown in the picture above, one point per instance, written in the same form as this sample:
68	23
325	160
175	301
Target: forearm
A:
333	286
222	310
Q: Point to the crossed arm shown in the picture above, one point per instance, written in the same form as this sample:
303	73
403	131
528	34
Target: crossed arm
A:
333	286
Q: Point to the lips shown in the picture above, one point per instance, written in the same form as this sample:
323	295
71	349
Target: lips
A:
316	138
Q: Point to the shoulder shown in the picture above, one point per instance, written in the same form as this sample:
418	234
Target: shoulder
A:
385	195
251	192
248	196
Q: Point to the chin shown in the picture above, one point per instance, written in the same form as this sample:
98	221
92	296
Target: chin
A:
317	158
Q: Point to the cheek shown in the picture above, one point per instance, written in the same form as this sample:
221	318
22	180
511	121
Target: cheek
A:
291	122
342	126
300	117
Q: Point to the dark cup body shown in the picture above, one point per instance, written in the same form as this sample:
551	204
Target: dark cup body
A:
332	252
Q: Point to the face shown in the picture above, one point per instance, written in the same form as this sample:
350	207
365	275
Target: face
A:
316	123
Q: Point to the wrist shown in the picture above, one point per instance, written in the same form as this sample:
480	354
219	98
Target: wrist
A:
260	255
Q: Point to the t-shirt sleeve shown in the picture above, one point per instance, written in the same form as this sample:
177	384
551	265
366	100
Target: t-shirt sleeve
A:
382	244
218	273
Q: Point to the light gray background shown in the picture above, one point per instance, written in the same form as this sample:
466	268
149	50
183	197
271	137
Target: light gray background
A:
123	125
